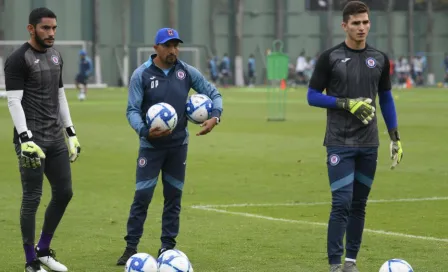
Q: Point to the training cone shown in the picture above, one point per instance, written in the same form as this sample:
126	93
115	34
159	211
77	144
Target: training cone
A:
282	84
408	83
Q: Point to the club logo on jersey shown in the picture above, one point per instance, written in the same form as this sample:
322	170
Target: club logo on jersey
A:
55	59
170	32
334	160
142	162
180	74
371	62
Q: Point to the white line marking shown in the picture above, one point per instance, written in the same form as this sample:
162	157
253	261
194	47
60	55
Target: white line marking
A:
317	203
382	232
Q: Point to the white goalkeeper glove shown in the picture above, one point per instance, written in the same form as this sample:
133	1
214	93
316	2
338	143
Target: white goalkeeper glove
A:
396	151
74	147
30	154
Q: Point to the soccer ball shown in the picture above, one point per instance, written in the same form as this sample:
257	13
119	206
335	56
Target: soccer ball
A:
174	260
396	265
198	108
82	96
141	262
2	94
161	115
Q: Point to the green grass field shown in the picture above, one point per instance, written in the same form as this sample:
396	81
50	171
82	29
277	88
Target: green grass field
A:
245	160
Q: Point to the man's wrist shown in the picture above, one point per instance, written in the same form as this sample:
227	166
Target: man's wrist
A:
394	135
70	131
218	120
25	136
342	103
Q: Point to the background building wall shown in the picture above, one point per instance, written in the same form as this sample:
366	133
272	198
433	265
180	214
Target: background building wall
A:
303	30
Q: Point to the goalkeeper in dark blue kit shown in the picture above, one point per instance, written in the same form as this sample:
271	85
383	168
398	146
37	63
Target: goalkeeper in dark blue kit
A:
163	78
353	74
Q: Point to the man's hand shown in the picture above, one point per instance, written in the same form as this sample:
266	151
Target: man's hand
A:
31	155
359	107
207	126
74	148
157	132
396	151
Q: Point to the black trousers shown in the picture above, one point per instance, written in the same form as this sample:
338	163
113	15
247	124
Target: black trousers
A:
56	167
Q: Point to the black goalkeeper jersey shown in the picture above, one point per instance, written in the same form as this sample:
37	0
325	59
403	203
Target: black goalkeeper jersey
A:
348	73
39	75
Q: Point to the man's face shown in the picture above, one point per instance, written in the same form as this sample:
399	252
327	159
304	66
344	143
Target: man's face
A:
44	32
357	27
168	52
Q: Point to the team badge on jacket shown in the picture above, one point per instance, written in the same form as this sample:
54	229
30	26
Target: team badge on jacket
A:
371	62
180	74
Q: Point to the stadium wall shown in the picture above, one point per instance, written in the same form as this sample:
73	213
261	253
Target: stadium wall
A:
303	30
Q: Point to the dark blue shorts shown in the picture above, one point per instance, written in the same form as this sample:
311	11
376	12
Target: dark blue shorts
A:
345	164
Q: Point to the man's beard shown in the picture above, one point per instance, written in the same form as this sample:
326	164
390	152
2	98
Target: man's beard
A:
40	41
171	59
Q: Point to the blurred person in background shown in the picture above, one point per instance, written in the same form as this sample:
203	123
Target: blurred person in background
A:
84	71
224	70
213	69
251	70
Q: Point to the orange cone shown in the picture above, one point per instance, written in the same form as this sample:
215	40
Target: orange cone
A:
282	84
408	83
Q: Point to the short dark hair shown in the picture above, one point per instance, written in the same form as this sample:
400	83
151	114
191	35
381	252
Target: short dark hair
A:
354	8
37	14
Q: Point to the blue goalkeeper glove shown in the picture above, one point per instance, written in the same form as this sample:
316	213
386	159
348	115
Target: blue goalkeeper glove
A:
74	147
396	151
359	107
30	154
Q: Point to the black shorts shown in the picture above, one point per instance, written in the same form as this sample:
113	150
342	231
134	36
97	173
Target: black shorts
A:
81	79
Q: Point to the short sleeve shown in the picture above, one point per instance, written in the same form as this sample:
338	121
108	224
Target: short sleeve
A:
322	73
15	73
385	84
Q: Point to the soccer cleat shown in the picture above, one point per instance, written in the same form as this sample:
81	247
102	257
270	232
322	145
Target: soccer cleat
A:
34	266
128	252
163	249
336	268
47	257
350	267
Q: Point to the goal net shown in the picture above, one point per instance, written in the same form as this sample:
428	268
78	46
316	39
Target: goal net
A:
70	54
191	55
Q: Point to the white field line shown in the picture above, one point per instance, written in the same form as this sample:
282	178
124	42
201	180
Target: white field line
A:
317	203
381	232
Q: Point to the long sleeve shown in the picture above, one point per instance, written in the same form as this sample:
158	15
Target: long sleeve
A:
202	86
64	110
135	99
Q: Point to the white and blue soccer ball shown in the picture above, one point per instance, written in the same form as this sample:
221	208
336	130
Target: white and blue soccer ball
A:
141	262
198	108
396	265
174	260
161	115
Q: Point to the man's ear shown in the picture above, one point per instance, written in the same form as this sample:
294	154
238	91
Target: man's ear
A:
344	26
30	29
